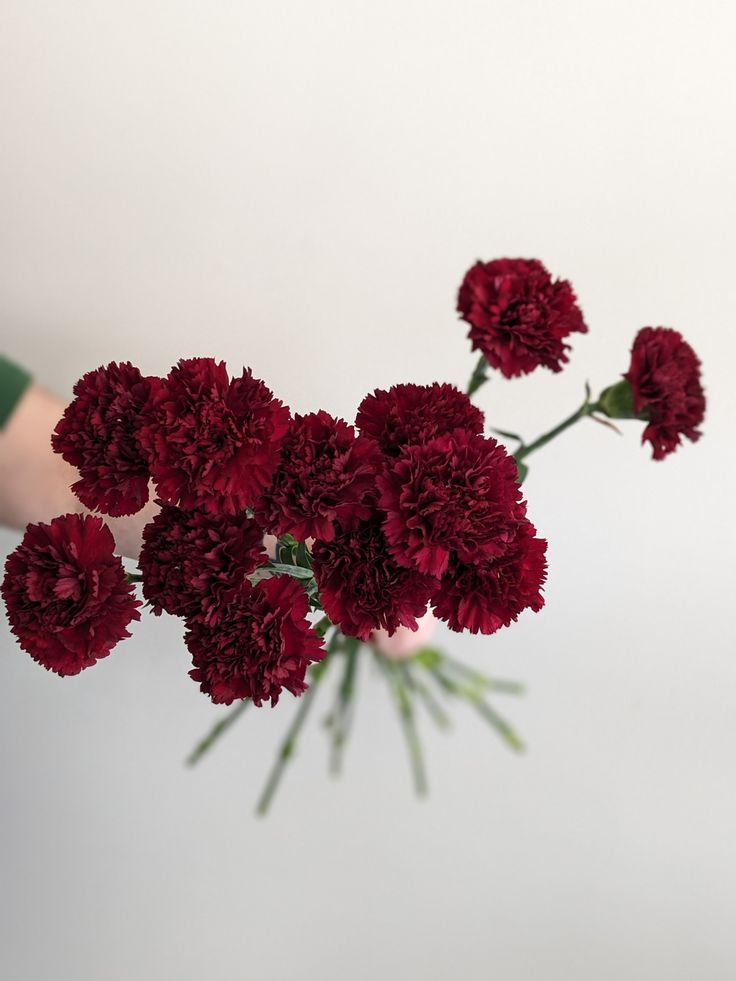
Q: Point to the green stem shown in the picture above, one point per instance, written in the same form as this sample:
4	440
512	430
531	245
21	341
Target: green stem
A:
286	750
479	376
473	696
406	717
342	716
322	626
433	707
216	731
586	409
492	684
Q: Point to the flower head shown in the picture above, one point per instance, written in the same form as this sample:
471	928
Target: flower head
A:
66	594
262	644
327	474
490	594
664	376
362	586
407	414
191	560
98	435
455	495
212	443
519	317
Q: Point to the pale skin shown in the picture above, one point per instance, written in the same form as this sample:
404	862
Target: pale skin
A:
35	485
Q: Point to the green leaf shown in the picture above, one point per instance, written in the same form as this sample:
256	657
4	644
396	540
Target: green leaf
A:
303	558
282	569
507	435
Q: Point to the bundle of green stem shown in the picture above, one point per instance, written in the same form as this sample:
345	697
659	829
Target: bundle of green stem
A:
426	682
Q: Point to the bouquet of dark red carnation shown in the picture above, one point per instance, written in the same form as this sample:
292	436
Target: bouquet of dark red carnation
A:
289	543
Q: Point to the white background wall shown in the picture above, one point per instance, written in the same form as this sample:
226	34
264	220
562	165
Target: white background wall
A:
300	186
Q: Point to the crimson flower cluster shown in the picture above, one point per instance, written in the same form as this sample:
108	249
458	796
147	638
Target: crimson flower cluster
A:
409	507
447	505
402	507
211	445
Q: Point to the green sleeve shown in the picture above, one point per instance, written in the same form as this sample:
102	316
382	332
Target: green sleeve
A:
13	382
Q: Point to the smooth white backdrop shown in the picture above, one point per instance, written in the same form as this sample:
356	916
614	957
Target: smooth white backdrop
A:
299	187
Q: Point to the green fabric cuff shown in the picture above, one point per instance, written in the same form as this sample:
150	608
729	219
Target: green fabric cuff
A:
14	380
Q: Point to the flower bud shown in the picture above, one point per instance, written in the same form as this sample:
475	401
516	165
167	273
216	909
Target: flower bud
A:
617	401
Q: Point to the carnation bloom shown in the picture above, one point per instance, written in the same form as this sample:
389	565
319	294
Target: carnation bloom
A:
456	494
327	474
363	588
262	644
212	443
98	435
518	316
415	414
66	593
485	596
190	559
664	376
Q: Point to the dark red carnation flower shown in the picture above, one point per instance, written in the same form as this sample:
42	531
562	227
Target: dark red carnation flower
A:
518	316
262	644
485	596
327	474
362	586
67	597
456	494
212	443
415	414
665	384
98	435
191	560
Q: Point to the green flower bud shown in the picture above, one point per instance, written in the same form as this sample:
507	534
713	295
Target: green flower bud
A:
617	401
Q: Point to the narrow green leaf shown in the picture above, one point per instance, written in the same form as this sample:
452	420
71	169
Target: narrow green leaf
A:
508	435
281	569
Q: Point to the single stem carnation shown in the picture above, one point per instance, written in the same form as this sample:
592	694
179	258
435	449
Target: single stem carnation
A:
519	317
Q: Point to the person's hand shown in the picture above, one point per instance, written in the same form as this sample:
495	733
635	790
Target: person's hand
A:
405	643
